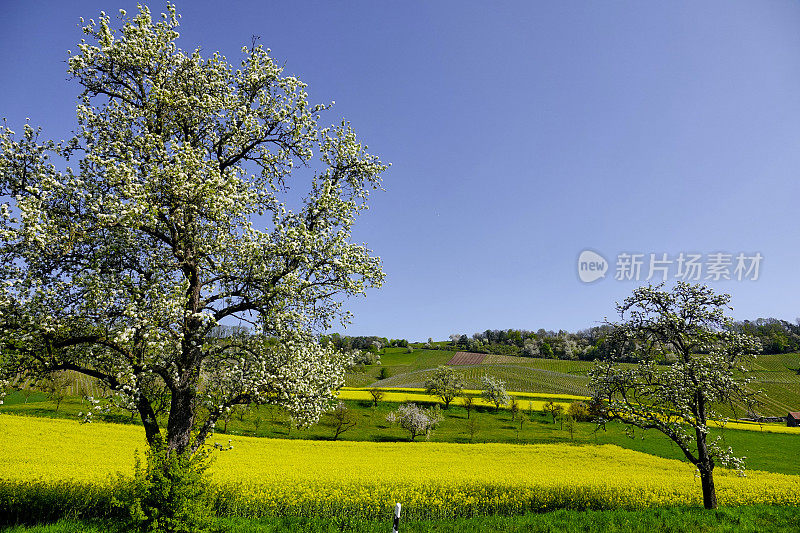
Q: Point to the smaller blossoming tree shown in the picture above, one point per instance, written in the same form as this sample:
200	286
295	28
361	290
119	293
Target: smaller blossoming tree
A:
414	419
691	363
494	390
445	384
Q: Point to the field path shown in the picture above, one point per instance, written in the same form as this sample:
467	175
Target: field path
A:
467	358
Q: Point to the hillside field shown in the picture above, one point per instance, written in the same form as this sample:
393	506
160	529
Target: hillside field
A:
775	375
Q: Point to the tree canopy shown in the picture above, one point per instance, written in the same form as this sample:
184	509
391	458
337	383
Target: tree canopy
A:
192	193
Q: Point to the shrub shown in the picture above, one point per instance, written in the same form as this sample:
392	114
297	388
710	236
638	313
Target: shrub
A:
579	411
169	495
553	409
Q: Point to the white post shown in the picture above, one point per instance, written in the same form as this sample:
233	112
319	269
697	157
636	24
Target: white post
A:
396	526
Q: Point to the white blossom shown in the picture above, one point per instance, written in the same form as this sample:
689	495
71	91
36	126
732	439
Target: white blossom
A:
416	420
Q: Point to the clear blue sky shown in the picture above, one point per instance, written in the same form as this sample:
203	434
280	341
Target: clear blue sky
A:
520	134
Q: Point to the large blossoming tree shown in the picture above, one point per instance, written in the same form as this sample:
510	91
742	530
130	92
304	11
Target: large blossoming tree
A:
193	193
692	364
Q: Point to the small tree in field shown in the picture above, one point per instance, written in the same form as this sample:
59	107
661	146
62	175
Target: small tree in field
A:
415	420
472	427
553	409
445	384
579	411
569	421
513	406
690	361
494	390
55	386
468	402
377	395
342	419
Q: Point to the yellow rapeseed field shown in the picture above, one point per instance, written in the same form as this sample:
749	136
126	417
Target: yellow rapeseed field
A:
474	392
525	403
407	395
755	426
261	477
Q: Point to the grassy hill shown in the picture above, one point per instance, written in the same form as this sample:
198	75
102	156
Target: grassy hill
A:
775	375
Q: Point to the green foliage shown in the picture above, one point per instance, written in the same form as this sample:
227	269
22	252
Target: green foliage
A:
579	411
546	350
169	494
776	336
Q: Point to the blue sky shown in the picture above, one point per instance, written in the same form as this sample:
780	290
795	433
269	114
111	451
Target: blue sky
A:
520	134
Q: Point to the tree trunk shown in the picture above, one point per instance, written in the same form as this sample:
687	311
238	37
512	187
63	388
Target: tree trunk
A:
705	465
181	419
151	430
709	493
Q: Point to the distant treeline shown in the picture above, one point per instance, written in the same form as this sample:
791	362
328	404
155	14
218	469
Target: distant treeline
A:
776	336
586	344
370	344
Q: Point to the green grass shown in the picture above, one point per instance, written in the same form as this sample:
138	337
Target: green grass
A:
403	368
680	519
